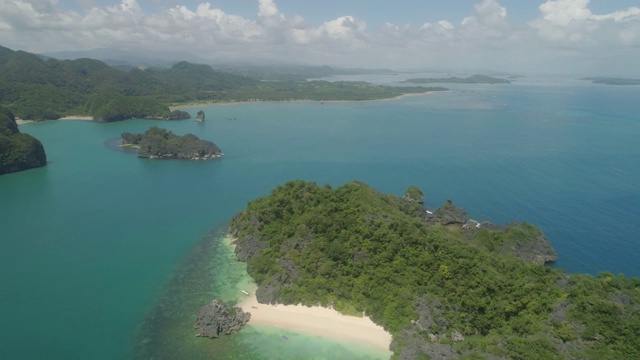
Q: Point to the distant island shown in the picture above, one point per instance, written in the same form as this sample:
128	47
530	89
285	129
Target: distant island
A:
612	81
473	79
158	143
445	286
38	88
18	151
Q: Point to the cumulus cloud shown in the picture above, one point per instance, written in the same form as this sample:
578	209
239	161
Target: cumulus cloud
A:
565	31
572	22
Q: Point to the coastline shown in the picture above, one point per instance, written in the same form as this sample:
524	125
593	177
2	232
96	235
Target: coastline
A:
324	322
66	118
225	103
316	320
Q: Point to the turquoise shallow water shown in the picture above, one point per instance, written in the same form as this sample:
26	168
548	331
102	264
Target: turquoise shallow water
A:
99	243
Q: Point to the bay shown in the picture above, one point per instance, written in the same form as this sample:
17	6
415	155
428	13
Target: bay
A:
96	243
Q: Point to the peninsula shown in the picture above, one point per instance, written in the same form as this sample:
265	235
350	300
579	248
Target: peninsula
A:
40	88
158	143
442	285
473	79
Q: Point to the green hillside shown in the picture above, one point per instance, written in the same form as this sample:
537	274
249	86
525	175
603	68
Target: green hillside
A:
17	151
40	88
463	290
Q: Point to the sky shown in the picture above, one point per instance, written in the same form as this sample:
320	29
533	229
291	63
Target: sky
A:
597	37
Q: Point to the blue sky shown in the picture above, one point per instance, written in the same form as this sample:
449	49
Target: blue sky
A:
375	12
578	36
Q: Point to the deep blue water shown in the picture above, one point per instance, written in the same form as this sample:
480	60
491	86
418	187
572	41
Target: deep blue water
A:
90	242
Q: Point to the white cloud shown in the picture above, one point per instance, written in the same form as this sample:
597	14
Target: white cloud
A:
565	32
268	8
572	22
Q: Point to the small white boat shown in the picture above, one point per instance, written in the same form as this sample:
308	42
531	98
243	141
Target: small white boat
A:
244	292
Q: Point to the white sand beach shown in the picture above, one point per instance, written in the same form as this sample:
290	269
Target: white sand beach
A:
224	103
77	117
73	117
317	321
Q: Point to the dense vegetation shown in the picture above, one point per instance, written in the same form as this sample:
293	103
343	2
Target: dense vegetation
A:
158	143
17	151
473	79
453	290
116	107
45	88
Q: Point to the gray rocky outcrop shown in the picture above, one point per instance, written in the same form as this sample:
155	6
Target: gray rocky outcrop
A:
414	194
216	318
447	214
530	246
269	292
249	246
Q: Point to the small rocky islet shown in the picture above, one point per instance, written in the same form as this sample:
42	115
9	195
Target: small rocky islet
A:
216	318
158	143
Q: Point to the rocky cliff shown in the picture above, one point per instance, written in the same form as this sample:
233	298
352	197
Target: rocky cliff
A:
18	151
447	214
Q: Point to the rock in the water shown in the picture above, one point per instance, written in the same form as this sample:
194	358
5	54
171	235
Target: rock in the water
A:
200	116
216	318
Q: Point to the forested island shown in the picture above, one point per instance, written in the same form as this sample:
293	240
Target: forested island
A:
473	79
612	81
39	88
158	143
446	287
18	151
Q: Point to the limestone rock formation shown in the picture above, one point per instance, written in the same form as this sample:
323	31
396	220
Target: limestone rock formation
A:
447	214
414	194
216	318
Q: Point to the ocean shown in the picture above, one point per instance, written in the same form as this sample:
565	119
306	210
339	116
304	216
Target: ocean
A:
107	256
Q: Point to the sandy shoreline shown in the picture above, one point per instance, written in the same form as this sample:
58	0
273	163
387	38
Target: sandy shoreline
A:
72	117
224	103
319	321
315	320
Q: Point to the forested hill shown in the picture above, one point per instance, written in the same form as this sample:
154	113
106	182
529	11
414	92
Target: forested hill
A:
18	151
40	88
445	287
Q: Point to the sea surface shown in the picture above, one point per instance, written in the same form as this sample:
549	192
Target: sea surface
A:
107	256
